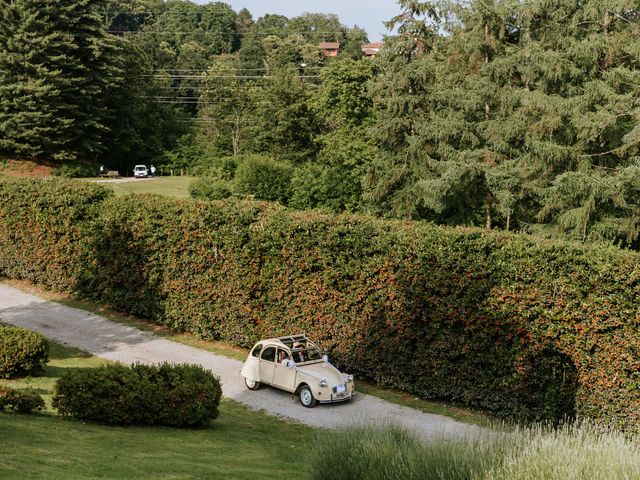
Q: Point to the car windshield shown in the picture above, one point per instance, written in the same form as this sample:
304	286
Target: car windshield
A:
308	354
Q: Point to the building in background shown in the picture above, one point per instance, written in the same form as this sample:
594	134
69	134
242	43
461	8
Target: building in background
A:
371	49
330	49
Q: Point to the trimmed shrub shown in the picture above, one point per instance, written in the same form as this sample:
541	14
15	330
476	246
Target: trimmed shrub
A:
519	327
209	189
173	395
75	170
21	351
20	401
43	229
264	178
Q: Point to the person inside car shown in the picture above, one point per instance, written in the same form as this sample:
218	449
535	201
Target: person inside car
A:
299	356
283	357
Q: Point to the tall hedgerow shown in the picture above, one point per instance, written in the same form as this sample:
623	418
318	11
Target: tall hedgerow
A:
44	229
516	326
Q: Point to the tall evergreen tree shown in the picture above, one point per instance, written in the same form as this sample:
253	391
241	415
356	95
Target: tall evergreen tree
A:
56	66
522	116
401	94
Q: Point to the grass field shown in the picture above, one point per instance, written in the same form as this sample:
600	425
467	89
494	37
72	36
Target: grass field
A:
389	452
239	444
177	187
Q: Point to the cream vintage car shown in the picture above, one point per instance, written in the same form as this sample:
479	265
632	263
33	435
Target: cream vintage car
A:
296	365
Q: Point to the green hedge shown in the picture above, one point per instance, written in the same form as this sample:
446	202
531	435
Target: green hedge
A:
173	395
43	229
21	351
26	400
518	327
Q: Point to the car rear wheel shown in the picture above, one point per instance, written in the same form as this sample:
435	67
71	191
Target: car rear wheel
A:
252	384
306	397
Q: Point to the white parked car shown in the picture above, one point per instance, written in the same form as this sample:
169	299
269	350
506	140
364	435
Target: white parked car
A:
140	171
296	365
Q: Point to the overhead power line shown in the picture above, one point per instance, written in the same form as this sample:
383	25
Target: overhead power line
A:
206	70
233	34
236	77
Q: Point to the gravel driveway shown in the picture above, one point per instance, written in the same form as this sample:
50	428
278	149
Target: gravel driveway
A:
112	341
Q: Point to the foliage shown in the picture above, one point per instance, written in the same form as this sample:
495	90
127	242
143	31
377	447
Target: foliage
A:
344	107
165	394
43	229
283	123
522	328
25	400
227	110
209	189
192	33
75	170
264	179
21	351
140	130
326	187
57	65
517	115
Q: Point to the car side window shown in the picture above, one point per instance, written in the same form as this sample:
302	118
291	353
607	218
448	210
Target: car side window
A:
269	354
256	350
282	355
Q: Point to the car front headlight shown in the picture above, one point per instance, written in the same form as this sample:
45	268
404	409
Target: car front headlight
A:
323	383
349	378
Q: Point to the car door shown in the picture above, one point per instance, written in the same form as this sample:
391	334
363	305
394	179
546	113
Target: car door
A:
267	364
284	377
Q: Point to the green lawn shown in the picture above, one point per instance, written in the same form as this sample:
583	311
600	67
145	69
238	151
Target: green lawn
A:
239	444
177	187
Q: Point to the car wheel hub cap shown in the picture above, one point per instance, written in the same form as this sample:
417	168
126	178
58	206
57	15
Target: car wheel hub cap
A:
305	396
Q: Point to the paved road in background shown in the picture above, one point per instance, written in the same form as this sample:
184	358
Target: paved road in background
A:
112	341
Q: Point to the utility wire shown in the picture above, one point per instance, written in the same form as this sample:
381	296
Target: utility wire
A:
206	70
205	32
237	77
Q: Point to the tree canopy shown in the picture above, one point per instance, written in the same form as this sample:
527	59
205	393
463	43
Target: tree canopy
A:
497	113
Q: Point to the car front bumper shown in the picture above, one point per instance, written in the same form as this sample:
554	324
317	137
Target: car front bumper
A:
337	399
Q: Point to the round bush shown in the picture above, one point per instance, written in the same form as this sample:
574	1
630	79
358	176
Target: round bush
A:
165	394
20	401
264	178
210	189
21	351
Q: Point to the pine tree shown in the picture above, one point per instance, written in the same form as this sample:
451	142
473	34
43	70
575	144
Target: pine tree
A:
401	95
581	108
56	66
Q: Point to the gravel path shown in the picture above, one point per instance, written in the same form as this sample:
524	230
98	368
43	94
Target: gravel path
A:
112	341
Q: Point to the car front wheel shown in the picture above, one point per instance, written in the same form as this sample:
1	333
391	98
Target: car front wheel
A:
306	397
251	384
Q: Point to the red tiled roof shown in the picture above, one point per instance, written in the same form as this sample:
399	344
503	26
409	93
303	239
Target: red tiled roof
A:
329	45
371	48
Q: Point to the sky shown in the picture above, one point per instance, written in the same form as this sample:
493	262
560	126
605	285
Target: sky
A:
367	14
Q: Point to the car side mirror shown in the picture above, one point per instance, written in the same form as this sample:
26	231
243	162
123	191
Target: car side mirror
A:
291	364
